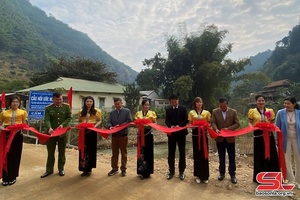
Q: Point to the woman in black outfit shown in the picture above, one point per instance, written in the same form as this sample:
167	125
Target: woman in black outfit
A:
145	163
89	114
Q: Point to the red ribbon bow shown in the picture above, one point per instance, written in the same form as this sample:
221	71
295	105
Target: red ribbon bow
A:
141	134
81	137
201	125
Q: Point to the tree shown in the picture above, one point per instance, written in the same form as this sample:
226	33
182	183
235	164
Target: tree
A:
293	90
12	86
132	97
202	57
76	67
250	83
152	77
183	87
246	85
285	60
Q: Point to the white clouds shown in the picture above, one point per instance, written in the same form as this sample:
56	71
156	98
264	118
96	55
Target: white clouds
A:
134	30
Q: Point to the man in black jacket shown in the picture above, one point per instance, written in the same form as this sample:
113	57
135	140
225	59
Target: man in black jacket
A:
119	139
176	115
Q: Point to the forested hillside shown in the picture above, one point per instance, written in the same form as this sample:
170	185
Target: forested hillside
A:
284	63
29	39
285	60
257	62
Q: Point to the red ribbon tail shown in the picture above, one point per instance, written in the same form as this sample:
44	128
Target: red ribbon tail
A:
143	135
282	163
7	147
81	142
141	139
204	143
2	150
199	135
267	143
138	145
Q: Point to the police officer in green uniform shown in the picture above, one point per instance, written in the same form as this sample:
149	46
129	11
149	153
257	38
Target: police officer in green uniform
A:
57	115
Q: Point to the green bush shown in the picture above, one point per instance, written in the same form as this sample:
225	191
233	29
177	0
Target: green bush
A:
160	112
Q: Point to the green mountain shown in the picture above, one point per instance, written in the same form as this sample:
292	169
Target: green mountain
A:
29	39
284	62
257	62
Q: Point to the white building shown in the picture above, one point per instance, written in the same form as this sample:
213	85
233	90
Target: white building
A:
154	98
103	93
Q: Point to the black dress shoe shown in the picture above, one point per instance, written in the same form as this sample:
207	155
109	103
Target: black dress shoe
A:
12	182
46	174
221	177
5	183
123	173
170	176
86	174
145	176
233	179
181	176
62	173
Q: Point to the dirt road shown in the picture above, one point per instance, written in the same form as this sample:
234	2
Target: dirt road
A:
100	186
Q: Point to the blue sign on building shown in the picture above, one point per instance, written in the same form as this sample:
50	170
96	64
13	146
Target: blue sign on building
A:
36	114
38	100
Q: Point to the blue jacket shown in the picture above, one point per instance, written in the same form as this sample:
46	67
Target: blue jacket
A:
281	122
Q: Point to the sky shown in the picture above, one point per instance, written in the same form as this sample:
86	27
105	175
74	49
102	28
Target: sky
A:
134	30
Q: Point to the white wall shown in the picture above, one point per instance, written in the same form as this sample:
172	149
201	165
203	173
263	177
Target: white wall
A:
108	97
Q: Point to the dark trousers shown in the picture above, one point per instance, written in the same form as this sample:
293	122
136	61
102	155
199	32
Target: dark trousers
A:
90	152
51	146
176	138
13	158
201	165
222	146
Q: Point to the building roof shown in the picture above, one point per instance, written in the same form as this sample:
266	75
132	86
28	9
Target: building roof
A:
146	93
79	85
280	83
150	94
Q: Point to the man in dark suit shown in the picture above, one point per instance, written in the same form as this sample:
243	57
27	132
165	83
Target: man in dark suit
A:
225	118
176	115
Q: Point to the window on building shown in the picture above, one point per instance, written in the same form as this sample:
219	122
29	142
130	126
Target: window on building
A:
82	101
65	99
101	102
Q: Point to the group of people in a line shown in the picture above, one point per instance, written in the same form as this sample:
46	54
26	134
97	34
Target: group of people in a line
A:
58	115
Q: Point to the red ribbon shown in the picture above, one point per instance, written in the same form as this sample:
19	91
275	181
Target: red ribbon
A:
141	134
59	131
2	149
81	137
167	130
202	125
106	132
266	127
5	145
